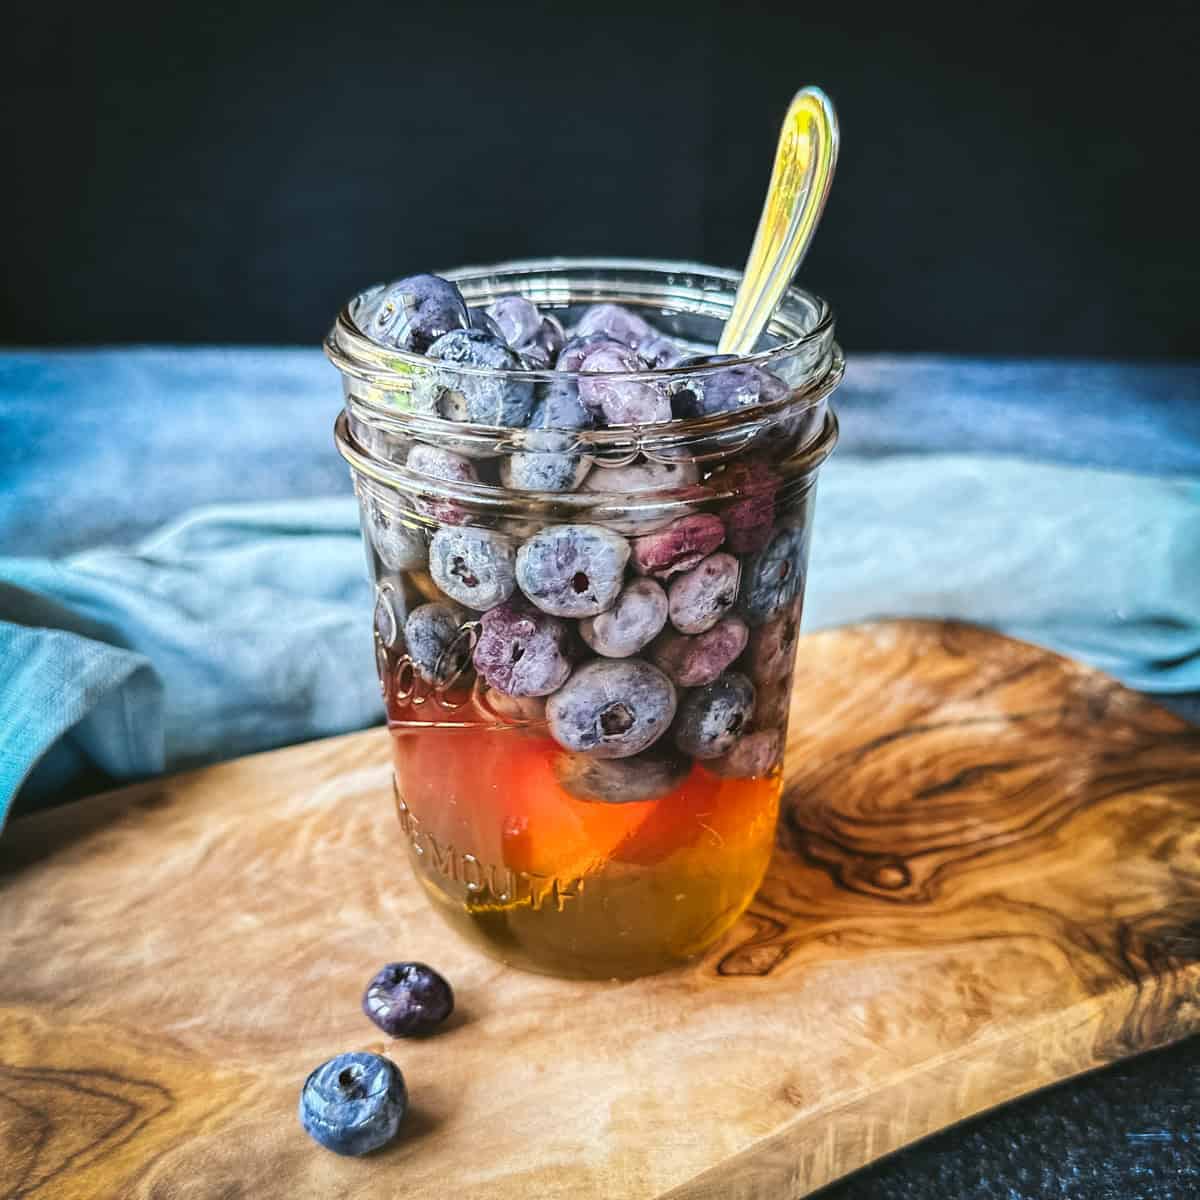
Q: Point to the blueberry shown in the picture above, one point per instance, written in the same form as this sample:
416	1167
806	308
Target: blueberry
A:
536	338
698	660
617	323
522	651
634	621
644	476
712	718
400	547
575	349
483	320
752	756
612	708
353	1103
408	999
679	546
541	351
660	352
774	576
441	464
572	570
473	566
544	467
645	776
518	318
431	635
621	401
480	399
773	646
557	404
699	598
412	313
749	517
713	392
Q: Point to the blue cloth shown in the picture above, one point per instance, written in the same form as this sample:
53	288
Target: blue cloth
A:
247	626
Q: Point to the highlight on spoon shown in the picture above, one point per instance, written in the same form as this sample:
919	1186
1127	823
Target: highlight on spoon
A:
804	163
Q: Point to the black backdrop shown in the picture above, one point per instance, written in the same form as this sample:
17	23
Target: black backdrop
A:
1013	180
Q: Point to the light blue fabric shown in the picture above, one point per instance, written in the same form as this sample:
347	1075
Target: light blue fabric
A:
248	626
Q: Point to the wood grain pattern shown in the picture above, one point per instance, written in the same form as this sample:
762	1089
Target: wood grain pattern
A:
988	880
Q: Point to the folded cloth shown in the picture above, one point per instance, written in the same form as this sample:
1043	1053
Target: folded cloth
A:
233	630
245	627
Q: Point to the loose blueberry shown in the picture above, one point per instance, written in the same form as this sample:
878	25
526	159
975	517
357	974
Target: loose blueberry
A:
572	570
522	651
773	577
617	323
773	646
660	352
753	756
713	392
400	547
621	401
699	598
408	999
431	634
712	718
634	621
748	518
612	708
698	660
412	313
645	476
518	318
480	399
473	566
679	546
646	776
441	464
353	1103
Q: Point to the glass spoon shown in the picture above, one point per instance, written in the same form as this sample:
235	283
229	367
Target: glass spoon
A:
804	162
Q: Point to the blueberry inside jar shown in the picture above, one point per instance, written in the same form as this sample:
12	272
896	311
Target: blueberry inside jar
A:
588	538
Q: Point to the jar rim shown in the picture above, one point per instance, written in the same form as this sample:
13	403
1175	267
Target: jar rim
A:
484	496
355	354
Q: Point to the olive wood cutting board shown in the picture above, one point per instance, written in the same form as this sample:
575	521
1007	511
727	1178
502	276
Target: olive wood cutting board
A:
987	881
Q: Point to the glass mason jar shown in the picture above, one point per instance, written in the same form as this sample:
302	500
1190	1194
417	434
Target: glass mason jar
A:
603	804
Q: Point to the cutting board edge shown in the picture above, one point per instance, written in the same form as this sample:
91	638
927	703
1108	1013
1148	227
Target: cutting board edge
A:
777	1165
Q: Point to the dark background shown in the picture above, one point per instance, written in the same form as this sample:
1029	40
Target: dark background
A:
1015	179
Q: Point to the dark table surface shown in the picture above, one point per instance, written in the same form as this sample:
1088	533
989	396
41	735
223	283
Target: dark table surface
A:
100	446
